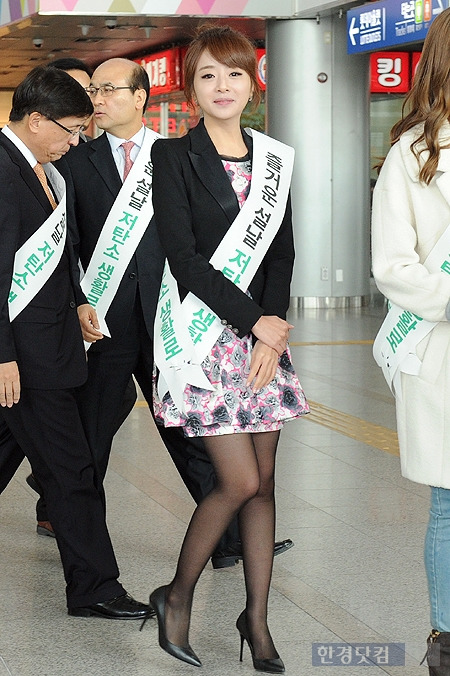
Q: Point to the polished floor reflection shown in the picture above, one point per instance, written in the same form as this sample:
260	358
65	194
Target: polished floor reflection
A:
355	574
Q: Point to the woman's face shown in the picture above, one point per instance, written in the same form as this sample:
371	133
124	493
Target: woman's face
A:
221	92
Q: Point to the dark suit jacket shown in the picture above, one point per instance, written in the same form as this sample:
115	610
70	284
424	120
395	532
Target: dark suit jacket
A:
45	338
195	205
93	184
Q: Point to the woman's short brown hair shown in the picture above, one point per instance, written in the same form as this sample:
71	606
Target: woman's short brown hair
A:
226	46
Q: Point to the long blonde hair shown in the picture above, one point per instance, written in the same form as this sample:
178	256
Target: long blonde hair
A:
428	101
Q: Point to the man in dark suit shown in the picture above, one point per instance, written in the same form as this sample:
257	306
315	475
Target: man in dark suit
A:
94	174
42	357
82	73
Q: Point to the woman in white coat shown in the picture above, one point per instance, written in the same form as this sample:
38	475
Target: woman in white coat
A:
411	211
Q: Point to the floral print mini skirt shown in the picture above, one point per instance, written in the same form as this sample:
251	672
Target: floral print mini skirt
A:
232	407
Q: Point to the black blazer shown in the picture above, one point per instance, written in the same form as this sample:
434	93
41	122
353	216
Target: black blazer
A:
195	205
93	183
45	338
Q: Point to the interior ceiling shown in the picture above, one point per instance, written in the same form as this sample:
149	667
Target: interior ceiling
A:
88	38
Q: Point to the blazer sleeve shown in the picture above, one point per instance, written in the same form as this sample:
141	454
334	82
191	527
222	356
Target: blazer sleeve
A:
174	221
278	266
9	234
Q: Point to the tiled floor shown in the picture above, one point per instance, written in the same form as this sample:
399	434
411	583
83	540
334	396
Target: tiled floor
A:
355	574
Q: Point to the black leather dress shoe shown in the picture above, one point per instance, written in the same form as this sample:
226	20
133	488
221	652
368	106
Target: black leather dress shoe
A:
45	528
232	555
121	608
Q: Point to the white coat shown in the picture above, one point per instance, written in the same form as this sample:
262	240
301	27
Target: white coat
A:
408	217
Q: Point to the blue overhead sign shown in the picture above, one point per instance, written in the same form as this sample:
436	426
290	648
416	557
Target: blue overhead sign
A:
390	23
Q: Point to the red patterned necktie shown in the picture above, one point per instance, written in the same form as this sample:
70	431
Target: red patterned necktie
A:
127	146
40	173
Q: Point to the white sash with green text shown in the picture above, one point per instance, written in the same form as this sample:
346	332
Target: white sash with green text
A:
122	231
394	348
38	257
185	332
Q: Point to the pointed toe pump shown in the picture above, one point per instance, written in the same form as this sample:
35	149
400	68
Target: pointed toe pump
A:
272	665
186	654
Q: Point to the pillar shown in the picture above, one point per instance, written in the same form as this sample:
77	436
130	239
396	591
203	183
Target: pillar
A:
318	102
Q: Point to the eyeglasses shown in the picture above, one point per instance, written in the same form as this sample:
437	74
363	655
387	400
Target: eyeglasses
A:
72	132
105	90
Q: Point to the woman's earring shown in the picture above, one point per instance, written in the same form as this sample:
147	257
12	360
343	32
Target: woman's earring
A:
250	98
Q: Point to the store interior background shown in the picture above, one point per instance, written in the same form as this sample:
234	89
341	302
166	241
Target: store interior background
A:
41	38
89	38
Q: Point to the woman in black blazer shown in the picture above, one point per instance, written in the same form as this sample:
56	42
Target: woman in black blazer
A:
200	182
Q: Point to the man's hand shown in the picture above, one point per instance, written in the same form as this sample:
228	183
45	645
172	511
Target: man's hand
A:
272	331
90	326
9	384
263	366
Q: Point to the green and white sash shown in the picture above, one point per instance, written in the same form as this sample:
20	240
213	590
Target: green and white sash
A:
122	231
185	332
38	257
394	348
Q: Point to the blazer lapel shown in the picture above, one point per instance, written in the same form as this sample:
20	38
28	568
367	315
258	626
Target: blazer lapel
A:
103	161
208	167
27	173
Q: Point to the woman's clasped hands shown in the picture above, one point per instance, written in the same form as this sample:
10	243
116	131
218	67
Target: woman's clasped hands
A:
272	333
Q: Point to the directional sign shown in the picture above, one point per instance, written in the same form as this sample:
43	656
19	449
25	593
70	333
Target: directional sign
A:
390	23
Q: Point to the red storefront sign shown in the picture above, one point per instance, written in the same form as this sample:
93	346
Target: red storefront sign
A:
261	68
164	71
389	72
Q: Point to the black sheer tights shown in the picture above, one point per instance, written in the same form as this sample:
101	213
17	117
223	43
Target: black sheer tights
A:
244	466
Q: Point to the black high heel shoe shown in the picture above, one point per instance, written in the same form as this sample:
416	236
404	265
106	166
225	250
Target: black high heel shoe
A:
274	665
158	603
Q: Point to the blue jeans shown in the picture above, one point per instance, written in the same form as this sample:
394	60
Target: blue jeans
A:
437	558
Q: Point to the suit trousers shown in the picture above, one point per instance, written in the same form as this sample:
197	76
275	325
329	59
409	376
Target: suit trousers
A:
11	455
127	406
47	427
111	364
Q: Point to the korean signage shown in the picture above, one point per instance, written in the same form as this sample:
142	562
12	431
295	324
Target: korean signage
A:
392	71
390	23
163	70
389	72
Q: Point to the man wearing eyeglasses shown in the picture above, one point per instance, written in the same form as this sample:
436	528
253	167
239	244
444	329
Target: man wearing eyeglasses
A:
82	73
120	329
42	357
119	91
